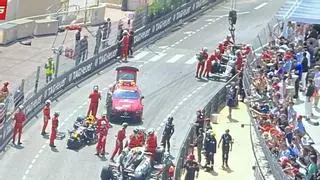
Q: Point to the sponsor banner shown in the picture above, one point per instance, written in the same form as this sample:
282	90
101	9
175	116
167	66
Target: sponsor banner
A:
35	103
3	9
78	73
170	19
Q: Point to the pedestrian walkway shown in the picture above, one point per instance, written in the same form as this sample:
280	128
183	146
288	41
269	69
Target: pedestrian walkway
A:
311	128
20	62
241	158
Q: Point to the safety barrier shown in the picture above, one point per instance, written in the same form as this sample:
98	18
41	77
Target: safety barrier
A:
34	101
267	35
214	106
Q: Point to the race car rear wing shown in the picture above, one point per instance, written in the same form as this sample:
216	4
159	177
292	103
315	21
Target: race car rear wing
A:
127	73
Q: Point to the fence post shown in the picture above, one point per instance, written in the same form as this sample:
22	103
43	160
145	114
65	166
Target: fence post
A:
37	80
22	86
260	41
58	53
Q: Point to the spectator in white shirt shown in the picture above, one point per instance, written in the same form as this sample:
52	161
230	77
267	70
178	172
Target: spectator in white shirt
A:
317	86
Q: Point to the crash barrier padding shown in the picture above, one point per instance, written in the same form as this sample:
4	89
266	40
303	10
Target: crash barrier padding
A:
86	69
214	106
273	164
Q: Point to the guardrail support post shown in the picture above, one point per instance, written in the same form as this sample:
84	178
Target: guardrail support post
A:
58	53
260	41
37	80
22	86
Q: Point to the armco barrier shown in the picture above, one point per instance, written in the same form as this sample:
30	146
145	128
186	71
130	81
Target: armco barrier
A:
69	79
215	105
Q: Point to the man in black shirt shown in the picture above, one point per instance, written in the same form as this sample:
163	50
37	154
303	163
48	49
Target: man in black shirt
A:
192	168
226	140
167	133
305	69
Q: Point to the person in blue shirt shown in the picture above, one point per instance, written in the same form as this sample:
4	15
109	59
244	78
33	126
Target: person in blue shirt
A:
298	72
300	127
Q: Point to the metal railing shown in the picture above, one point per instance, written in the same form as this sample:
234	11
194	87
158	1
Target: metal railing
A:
266	35
215	105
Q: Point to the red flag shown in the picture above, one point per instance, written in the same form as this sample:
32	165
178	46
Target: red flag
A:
3	9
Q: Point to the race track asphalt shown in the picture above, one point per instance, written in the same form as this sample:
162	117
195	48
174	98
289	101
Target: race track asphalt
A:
167	82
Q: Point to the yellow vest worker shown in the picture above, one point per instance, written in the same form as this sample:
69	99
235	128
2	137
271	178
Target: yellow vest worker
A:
49	67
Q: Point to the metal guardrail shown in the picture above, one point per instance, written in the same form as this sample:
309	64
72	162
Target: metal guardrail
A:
34	102
215	105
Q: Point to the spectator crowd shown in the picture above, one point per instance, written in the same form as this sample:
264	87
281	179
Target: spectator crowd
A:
285	71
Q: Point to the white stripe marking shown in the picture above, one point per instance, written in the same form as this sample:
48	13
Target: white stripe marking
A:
27	171
37	156
198	30
202	27
140	55
206	25
184	99
175	58
192	60
176	43
33	161
260	6
30	166
157	57
210	23
43	146
189	96
140	65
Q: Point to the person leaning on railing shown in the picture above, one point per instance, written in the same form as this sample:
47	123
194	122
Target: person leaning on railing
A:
4	92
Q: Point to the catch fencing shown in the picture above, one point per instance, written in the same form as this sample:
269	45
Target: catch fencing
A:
34	91
214	106
268	34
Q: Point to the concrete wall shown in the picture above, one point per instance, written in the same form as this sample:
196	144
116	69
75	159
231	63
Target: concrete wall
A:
25	8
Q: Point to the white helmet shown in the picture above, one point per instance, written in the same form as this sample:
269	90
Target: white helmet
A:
150	131
103	123
48	101
20	107
57	113
95	88
125	32
124	124
205	49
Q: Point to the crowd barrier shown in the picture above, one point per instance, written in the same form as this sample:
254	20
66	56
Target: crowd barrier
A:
70	78
214	106
268	34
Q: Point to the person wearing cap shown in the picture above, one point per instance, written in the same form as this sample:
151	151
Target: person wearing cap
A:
300	127
46	117
210	146
121	135
167	134
50	69
102	132
199	141
125	45
151	143
54	129
19	117
134	140
191	167
84	48
226	140
94	97
202	57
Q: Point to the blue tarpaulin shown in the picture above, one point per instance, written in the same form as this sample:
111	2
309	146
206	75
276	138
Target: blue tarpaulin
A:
303	11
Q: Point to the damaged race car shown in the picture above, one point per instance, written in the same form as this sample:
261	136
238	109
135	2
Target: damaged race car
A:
124	99
83	133
136	164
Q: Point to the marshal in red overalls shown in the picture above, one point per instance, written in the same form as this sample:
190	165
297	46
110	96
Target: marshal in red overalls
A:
19	118
151	144
46	117
54	129
203	56
95	96
125	46
119	142
102	132
134	140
